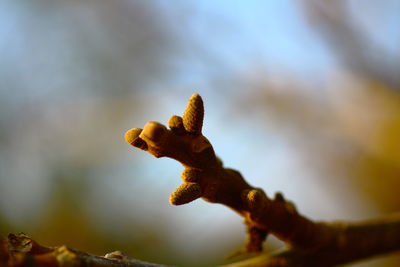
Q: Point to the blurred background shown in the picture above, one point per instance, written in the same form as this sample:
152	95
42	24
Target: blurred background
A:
301	97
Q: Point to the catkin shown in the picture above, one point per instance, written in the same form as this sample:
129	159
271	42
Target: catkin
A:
185	193
193	115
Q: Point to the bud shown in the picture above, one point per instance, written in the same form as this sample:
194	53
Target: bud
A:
191	175
185	193
175	123
193	115
254	198
132	134
153	131
132	138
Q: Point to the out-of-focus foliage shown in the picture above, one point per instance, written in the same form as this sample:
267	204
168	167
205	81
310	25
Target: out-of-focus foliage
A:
303	98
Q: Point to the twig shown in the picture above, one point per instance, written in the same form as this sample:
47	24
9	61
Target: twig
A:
204	176
20	250
353	241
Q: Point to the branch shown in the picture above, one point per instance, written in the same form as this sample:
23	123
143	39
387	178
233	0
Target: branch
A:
205	177
353	241
20	250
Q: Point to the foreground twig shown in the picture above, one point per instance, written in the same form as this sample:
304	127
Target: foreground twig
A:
20	250
312	244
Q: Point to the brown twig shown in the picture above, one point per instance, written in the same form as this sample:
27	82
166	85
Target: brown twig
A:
204	176
20	250
351	242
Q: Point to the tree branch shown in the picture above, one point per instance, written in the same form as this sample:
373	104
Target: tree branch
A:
204	176
20	250
309	243
353	241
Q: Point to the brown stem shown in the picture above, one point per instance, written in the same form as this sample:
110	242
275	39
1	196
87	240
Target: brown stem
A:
353	241
20	250
204	176
310	243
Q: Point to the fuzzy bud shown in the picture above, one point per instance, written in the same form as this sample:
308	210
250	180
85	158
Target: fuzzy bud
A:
132	138
175	123
153	131
254	198
193	115
190	175
132	134
185	193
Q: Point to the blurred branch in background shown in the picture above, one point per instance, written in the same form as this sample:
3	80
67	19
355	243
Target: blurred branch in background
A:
364	43
346	127
71	72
